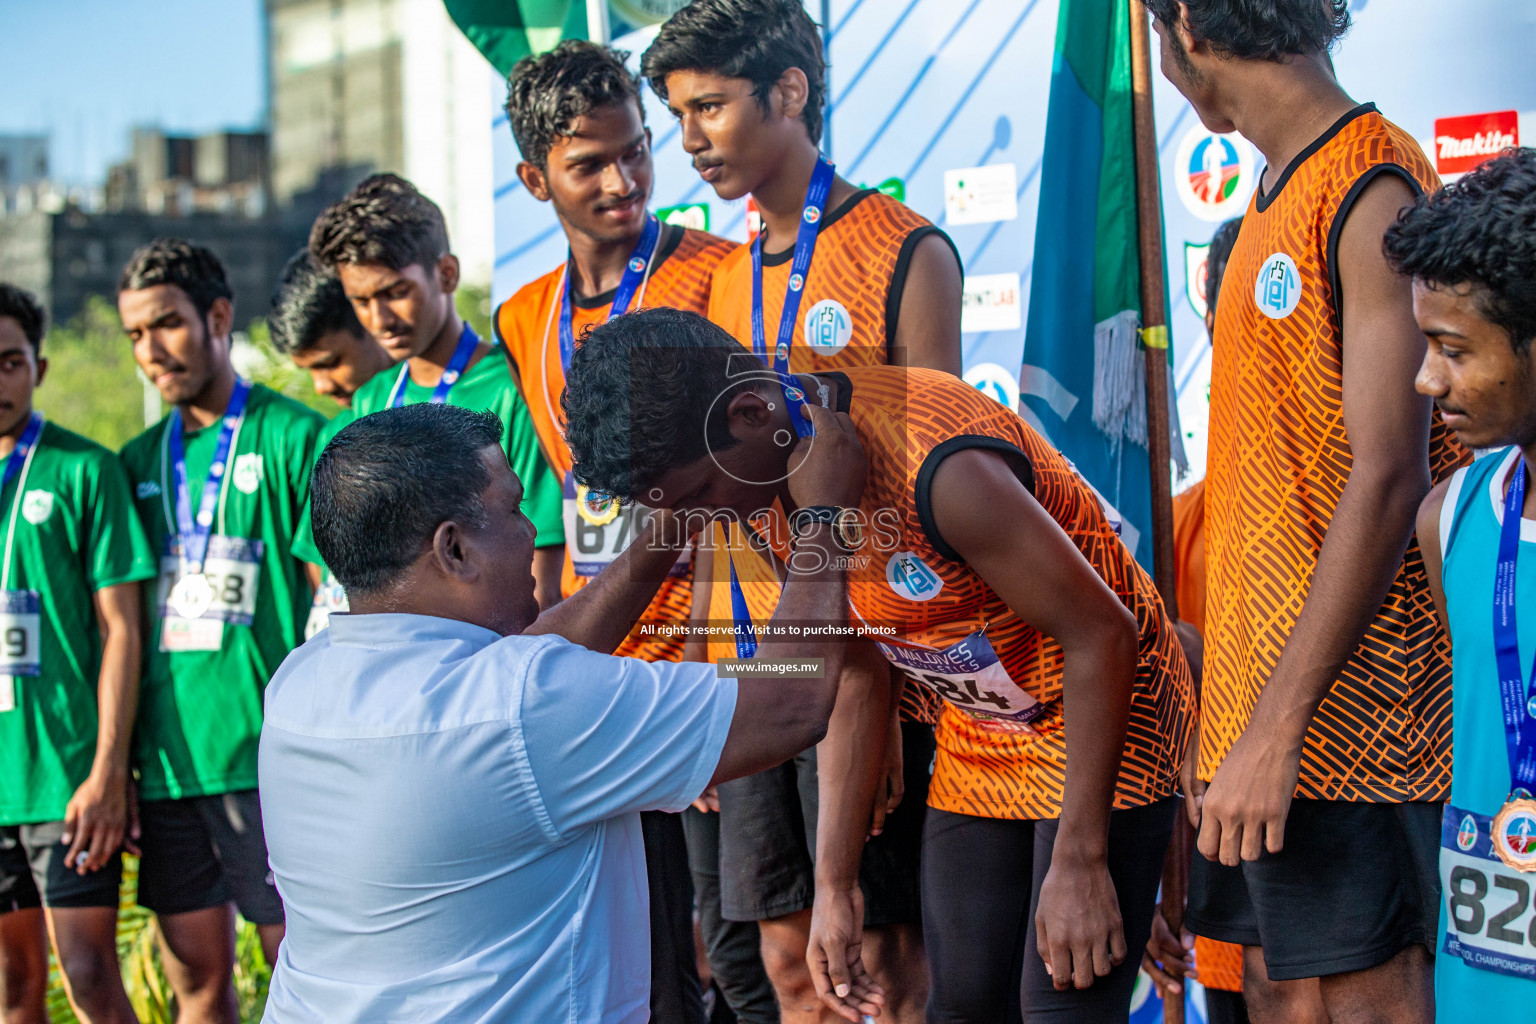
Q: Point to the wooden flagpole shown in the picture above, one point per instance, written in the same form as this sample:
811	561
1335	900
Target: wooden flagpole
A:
1154	310
1154	320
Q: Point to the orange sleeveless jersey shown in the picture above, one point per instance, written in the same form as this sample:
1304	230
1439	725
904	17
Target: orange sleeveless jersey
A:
849	306
854	289
528	325
1279	458
908	420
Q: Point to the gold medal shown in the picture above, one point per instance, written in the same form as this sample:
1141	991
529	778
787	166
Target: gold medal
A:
1514	833
595	507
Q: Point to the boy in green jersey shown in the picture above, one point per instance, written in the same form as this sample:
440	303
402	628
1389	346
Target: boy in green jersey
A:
388	244
72	560
220	484
312	321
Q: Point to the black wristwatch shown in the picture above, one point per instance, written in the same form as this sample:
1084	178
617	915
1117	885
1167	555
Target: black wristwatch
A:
847	527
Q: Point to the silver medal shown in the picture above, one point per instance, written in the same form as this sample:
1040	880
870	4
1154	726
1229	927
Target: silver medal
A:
192	596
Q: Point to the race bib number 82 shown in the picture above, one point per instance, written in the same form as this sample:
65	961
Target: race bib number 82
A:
1489	919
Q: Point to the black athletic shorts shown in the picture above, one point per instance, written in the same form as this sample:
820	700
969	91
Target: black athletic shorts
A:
33	872
1355	884
205	851
981	889
768	841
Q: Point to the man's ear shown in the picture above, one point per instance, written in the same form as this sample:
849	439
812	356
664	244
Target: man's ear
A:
534	180
452	554
1187	37
221	317
448	273
747	413
793	89
42	371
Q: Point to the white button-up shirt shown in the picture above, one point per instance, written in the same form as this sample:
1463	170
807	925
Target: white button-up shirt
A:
453	820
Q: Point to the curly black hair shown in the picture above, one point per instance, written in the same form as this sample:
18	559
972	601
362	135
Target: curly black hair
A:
753	39
192	268
547	93
1481	232
308	304
647	392
22	306
384	221
1260	29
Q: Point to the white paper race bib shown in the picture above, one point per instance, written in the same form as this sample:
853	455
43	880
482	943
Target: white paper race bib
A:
233	571
969	676
329	598
598	529
1489	919
20	642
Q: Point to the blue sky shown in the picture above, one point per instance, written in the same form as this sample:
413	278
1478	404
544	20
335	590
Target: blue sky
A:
86	71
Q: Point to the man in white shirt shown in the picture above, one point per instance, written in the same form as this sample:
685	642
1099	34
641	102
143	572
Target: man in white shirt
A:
451	782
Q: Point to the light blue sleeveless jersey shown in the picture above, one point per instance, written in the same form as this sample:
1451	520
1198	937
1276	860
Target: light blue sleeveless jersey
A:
1469	543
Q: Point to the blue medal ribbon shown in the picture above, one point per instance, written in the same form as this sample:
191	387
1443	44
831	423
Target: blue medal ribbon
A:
193	533
629	286
799	271
468	342
24	444
1517	695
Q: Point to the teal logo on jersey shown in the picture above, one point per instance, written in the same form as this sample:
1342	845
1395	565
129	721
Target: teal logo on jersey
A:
147	489
911	577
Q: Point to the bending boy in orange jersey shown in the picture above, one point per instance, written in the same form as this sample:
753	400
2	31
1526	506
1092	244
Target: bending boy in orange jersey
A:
747	81
1036	878
1325	732
579	124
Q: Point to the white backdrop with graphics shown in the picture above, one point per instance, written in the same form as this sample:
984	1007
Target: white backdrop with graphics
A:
946	100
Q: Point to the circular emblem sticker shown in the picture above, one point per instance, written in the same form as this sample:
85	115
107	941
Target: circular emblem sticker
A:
781	352
796	282
794	394
1213	174
911	577
595	507
37	506
996	382
1466	835
812	215
1277	291
637	264
828	327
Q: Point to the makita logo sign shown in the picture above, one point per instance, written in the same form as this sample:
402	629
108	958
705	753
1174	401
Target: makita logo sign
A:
1461	143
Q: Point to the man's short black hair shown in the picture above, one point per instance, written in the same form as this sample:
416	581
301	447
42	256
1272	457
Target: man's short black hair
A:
1479	232
757	40
646	393
175	261
22	306
1216	258
547	93
1260	29
384	221
387	481
308	304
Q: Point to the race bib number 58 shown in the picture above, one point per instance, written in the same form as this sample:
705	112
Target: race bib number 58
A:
1489	918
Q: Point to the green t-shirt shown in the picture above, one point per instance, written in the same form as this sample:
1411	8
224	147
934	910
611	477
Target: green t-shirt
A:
304	538
74	534
200	710
487	386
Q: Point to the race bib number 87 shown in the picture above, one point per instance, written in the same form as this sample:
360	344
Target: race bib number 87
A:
1489	918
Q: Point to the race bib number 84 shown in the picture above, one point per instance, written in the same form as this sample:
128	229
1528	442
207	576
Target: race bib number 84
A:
969	676
1489	918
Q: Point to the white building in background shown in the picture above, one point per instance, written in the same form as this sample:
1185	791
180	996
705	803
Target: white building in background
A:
358	86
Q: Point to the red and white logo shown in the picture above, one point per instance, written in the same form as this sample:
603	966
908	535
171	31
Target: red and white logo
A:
1461	143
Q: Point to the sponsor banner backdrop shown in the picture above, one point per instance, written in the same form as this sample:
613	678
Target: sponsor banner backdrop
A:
927	92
